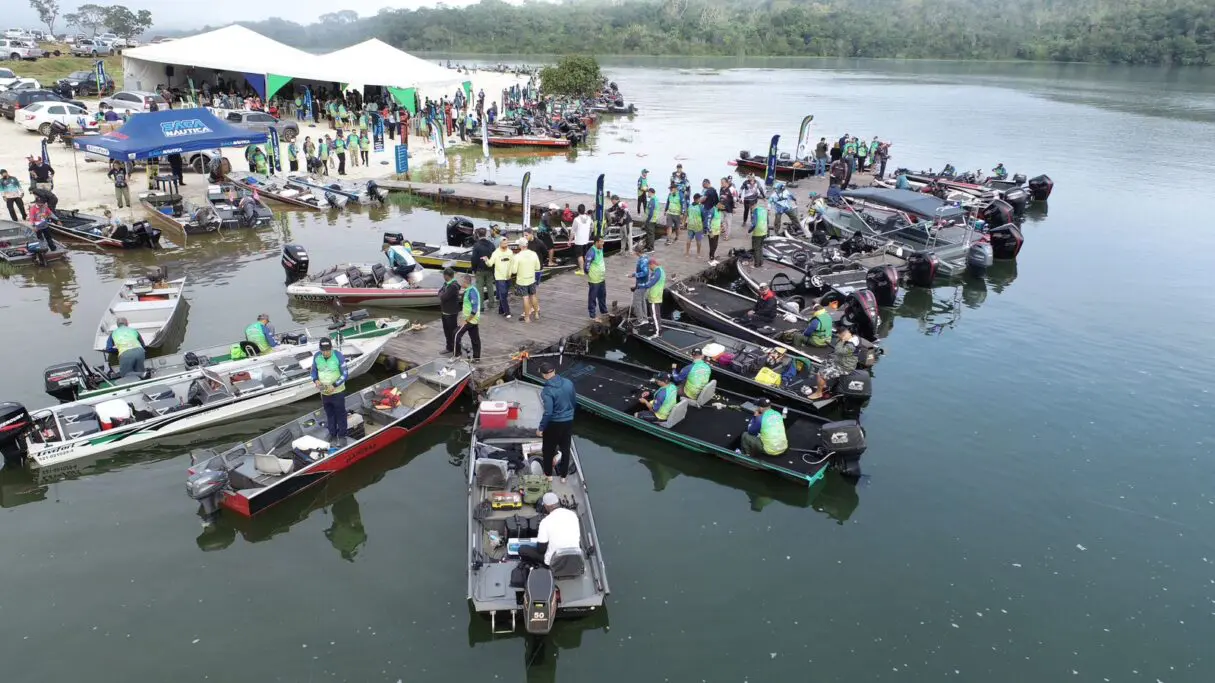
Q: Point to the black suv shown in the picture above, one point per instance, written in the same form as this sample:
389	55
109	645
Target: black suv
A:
85	83
13	100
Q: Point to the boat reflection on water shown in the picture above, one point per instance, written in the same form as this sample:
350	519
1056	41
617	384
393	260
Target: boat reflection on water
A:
540	653
336	496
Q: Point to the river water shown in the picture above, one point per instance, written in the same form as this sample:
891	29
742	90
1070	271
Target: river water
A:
1036	506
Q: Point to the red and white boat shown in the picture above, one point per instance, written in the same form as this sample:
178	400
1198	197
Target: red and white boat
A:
253	476
359	284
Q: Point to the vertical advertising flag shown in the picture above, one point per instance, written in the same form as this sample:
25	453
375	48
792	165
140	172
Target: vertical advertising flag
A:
770	175
599	206
527	200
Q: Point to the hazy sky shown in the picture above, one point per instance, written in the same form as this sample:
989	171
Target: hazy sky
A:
181	14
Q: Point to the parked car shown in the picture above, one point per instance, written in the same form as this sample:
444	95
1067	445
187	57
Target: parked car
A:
88	47
262	122
22	84
39	116
15	101
133	101
85	83
13	48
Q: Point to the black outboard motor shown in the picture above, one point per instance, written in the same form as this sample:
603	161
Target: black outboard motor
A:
1006	241
883	281
979	258
295	262
998	212
922	268
845	442
853	391
1017	198
1040	187
15	422
394	238
64	381
374	191
459	229
861	310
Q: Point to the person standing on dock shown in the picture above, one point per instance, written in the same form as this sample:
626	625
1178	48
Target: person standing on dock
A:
525	268
329	374
449	309
556	428
655	286
596	274
758	231
472	319
500	262
643	186
640	274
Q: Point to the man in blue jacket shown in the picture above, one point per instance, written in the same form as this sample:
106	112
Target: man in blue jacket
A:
329	374
557	423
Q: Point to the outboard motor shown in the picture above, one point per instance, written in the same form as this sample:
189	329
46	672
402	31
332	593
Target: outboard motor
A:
861	309
1040	187
540	601
844	441
64	381
979	258
15	422
1017	198
1006	241
853	391
374	191
922	268
206	486
998	212
459	229
392	239
883	281
295	262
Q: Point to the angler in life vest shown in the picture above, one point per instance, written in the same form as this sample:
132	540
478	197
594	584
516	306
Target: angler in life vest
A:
694	376
765	435
329	374
659	403
261	333
129	346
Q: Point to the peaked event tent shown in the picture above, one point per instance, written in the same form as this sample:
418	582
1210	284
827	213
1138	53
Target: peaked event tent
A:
155	134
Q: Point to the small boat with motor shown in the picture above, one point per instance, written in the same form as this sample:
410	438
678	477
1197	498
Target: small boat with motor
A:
721	309
85	228
504	483
359	284
741	362
15	240
360	192
179	216
152	305
78	380
787	168
713	425
253	476
277	189
794	267
193	400
235	207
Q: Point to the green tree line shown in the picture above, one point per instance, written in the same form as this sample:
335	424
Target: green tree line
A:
1172	32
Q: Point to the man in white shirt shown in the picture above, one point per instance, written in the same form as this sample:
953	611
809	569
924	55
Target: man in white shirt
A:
559	530
582	236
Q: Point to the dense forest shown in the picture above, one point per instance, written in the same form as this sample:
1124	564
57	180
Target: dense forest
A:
1174	32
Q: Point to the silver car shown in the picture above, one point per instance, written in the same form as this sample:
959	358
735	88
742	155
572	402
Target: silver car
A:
262	122
133	101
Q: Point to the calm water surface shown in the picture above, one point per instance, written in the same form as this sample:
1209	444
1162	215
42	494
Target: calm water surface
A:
1037	506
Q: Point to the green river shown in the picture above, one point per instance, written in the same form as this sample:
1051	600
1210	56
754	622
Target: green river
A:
1035	506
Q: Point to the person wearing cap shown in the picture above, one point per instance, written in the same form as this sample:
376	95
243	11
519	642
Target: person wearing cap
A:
526	268
556	427
651	219
843	362
596	274
693	377
128	344
329	374
758	232
482	267
472	318
654	286
765	309
449	308
674	213
10	187
261	334
500	262
765	435
559	530
818	332
643	187
660	402
640	274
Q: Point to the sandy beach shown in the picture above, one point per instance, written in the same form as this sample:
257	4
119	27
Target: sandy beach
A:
83	185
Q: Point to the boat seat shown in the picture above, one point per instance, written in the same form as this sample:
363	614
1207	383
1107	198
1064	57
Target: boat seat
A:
706	394
568	563
677	414
269	464
491	473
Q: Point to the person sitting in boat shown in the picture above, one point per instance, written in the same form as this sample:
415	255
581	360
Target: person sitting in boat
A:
765	309
261	333
401	259
659	403
765	435
559	530
1000	172
778	361
842	363
818	332
693	377
129	346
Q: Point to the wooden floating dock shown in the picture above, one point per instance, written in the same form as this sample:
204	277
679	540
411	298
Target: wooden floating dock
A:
563	305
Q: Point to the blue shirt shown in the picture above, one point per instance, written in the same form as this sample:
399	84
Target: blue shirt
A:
642	271
559	399
341	364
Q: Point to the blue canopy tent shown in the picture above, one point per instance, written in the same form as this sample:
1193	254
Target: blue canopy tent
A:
155	134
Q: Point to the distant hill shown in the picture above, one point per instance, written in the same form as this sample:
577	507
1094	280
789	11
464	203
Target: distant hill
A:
1172	32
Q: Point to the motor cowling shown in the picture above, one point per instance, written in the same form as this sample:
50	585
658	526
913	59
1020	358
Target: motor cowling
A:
979	257
845	442
883	281
922	268
998	212
15	422
1040	187
1006	241
295	262
64	381
861	309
